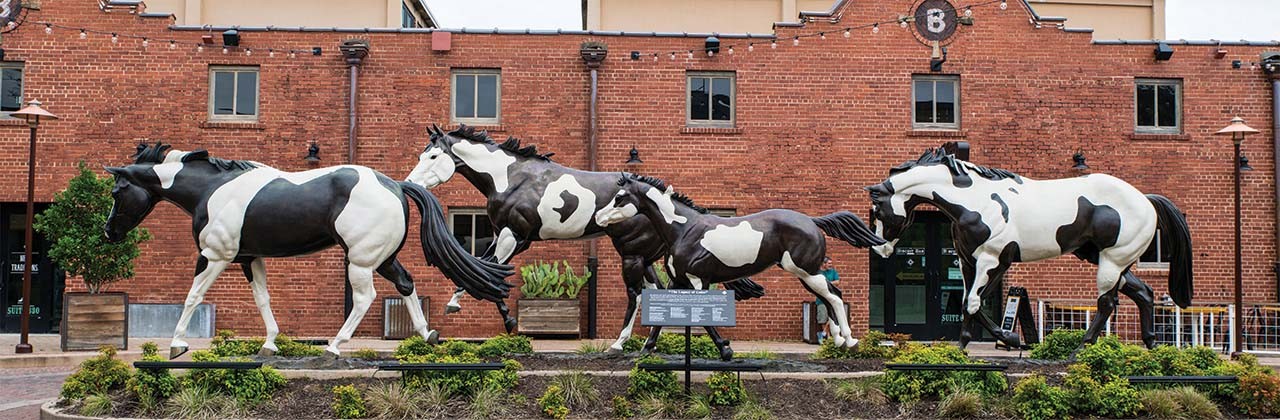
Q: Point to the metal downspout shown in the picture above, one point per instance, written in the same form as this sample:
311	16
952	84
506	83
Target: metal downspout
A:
592	55
1275	143
355	51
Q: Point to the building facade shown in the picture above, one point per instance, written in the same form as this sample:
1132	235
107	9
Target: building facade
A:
801	118
285	13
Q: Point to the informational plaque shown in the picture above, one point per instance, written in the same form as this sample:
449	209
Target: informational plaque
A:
688	308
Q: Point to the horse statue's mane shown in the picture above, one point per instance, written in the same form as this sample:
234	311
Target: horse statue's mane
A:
941	156
511	145
156	153
662	186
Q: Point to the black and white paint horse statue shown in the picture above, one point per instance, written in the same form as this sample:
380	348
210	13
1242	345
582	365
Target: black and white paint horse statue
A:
531	198
708	249
245	211
999	218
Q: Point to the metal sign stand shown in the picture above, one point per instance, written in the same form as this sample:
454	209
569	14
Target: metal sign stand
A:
1017	313
688	359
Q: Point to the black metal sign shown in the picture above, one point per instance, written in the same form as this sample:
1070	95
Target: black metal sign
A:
688	308
936	20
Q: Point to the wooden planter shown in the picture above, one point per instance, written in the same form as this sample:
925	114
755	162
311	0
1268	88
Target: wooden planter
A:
548	316
90	321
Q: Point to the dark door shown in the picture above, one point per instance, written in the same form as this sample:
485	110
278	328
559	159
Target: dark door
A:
919	289
46	285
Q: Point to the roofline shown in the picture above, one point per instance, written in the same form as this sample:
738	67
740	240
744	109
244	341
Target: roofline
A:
471	31
426	11
1208	42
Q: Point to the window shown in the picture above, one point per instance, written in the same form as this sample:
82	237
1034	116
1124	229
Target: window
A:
472	229
407	19
711	97
233	93
1158	104
937	102
477	96
10	87
1156	255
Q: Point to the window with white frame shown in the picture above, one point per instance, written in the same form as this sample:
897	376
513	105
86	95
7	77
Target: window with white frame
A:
1158	106
477	96
710	99
471	228
10	87
233	93
936	102
1156	256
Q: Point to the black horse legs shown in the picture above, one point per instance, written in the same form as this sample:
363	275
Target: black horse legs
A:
1106	305
1142	296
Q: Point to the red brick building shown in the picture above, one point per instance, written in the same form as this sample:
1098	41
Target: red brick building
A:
808	125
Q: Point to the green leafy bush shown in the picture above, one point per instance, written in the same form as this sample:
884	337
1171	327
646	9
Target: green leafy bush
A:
1034	399
869	347
1259	395
98	375
700	346
415	345
1117	399
504	345
907	386
546	281
150	386
643	383
962	403
622	407
1058	345
452	383
347	403
247	386
726	389
1245	365
456	348
366	354
551	403
633	343
506	378
225	344
1108	359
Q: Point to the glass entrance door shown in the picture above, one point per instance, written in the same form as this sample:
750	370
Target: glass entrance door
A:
919	289
46	286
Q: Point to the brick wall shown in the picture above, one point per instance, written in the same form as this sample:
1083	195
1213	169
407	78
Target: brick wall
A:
816	122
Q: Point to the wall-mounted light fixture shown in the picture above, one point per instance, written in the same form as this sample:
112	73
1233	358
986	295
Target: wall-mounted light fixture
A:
1220	53
1078	158
313	154
635	55
1244	163
231	38
939	57
1163	51
712	45
634	157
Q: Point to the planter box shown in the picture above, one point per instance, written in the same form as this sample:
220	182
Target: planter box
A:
92	320
548	316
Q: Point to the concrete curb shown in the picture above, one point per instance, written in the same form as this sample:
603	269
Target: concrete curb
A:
60	359
368	373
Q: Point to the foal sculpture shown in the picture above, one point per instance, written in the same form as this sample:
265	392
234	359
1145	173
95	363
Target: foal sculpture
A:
999	218
706	249
244	211
531	198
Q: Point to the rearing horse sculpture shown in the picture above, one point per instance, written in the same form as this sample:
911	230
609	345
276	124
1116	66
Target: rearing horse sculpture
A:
999	218
531	198
245	211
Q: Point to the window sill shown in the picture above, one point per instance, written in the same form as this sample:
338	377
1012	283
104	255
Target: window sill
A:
1159	137
492	128
1150	266
937	132
242	125
710	130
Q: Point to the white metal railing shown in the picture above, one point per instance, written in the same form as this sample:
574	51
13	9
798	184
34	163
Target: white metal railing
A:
1262	328
1204	325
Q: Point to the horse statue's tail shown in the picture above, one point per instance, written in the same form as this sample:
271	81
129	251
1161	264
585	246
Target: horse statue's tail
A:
1177	240
744	288
481	279
848	227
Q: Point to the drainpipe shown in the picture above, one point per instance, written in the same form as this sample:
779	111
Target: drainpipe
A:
355	51
1275	143
593	53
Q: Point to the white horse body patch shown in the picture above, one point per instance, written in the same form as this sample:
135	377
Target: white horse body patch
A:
576	223
493	163
665	205
735	246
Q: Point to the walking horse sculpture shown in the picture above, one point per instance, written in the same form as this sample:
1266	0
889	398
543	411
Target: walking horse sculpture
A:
531	198
706	249
999	218
245	211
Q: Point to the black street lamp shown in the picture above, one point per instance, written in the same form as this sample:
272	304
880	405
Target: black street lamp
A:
1237	130
32	114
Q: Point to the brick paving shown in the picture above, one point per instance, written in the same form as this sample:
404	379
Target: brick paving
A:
22	391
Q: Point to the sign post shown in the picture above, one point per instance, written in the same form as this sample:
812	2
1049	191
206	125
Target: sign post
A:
688	308
1017	312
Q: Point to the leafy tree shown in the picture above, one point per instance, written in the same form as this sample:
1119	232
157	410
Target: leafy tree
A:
74	225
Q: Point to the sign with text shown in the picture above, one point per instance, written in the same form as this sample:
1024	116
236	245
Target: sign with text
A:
688	308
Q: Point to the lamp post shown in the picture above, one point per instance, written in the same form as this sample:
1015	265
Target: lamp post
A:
1237	130
32	114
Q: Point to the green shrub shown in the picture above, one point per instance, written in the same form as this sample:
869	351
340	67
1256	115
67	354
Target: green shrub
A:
225	344
869	347
392	400
1118	399
751	410
1082	389
290	348
1245	365
150	386
633	343
96	405
456	348
865	390
415	345
247	386
546	281
551	403
643	383
907	386
962	403
347	403
726	389
150	349
700	346
505	345
1178	403
506	378
1058	345
578	389
622	407
1108	359
1259	395
452	383
366	354
98	375
1172	361
1202	357
1034	399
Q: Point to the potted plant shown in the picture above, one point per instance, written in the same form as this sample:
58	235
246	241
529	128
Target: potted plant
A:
549	302
74	226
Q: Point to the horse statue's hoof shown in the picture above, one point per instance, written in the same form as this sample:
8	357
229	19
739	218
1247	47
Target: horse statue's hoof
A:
266	352
510	324
1011	339
726	354
329	355
433	337
448	309
613	353
174	352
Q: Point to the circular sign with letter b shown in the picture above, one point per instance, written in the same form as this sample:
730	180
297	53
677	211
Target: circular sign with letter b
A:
936	20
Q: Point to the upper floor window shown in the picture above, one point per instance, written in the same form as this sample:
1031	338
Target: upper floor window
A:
1158	103
1157	255
471	228
477	96
711	99
10	87
233	93
937	102
407	19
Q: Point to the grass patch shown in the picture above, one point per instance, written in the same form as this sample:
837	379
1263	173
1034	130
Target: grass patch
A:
751	410
395	401
489	403
962	403
97	405
859	390
591	347
579	390
198	402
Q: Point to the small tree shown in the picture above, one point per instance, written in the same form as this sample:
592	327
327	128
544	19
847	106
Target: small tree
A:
74	225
